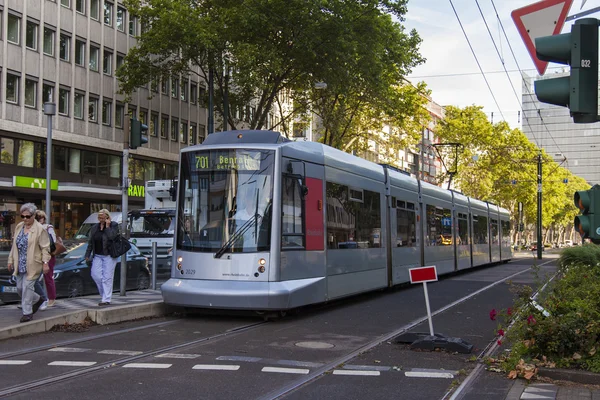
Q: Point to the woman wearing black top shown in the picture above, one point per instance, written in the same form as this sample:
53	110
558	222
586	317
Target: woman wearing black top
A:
103	265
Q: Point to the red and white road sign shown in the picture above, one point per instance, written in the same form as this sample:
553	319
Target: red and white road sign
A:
544	18
423	274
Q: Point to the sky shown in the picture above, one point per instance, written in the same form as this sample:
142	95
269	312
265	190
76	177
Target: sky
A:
451	71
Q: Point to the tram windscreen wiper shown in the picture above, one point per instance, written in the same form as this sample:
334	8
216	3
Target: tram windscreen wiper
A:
238	234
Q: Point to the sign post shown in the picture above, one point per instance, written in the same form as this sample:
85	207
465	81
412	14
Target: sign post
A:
424	275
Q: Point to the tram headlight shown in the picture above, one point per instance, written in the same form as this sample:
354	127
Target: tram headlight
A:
179	260
262	261
261	269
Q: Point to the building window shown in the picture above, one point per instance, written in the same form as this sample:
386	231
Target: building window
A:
193	93
106	109
65	3
65	46
78	105
48	41
164	85
201	133
174	88
143	116
63	101
183	132
80	6
89	163
80	52
164	127
31	36
94	52
119	111
74	161
174	129
154	124
132	25
7	151
47	93
93	109
30	93
107	63
25	153
120	60
12	88
13	31
184	90
59	154
121	19
108	13
193	130
94	9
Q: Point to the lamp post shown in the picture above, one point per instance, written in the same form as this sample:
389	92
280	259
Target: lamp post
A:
49	110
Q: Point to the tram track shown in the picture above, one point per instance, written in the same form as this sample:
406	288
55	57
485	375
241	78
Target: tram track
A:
20	388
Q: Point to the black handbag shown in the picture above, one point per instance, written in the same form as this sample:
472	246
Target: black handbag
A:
118	246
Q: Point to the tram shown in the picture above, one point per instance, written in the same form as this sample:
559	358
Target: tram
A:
275	224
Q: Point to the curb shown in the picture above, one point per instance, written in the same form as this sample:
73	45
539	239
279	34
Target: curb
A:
572	375
102	317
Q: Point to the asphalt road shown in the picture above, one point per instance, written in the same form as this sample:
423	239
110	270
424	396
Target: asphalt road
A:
267	359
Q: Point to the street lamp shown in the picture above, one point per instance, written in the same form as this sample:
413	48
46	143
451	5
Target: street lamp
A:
49	110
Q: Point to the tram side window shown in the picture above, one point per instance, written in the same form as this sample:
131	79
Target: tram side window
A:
406	222
505	233
292	215
439	226
352	223
480	233
494	232
463	229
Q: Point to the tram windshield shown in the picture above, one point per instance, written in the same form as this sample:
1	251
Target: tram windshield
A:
225	200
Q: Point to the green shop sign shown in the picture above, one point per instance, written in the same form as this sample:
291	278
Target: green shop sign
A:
33	183
136	190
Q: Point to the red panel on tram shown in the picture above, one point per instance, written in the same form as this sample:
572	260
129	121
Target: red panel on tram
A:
315	235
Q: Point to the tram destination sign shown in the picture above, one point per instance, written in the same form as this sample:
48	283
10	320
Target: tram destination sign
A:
212	161
423	274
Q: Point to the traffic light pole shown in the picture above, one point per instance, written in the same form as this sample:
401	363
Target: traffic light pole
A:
124	203
539	208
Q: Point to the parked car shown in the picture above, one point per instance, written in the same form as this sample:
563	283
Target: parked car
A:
72	275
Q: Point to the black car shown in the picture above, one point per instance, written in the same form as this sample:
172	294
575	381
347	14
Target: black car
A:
72	275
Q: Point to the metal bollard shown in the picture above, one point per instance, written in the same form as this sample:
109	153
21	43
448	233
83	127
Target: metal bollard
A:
154	262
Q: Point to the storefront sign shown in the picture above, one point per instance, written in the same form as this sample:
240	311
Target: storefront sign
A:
33	183
136	191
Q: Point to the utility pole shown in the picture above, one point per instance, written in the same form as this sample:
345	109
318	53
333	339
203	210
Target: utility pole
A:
124	202
211	89
49	110
539	208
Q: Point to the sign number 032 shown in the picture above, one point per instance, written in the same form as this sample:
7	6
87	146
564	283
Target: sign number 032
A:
586	63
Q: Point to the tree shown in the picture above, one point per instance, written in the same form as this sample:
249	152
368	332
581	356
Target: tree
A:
284	46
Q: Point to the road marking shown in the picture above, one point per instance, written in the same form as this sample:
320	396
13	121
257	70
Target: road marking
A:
69	349
147	365
14	362
216	367
177	355
73	363
238	358
301	371
354	372
367	367
121	352
420	374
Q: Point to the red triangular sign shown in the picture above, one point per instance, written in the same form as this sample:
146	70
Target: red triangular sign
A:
544	18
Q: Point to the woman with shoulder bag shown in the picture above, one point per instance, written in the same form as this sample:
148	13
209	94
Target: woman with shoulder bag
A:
40	216
103	265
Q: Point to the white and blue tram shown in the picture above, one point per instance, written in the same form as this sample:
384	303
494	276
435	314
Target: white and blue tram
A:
274	224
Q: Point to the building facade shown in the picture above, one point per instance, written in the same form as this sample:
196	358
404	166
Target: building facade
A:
66	52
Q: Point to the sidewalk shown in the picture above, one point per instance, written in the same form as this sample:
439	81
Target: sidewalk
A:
547	391
137	304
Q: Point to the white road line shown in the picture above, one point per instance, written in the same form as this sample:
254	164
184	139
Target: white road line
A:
69	349
355	372
14	362
216	367
147	365
177	355
121	352
301	371
417	374
73	363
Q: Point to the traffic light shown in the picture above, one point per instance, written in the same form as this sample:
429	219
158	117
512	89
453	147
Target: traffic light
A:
137	133
579	90
588	224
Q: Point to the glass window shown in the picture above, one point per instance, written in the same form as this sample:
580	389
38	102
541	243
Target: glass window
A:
406	224
132	25
65	47
480	229
505	225
47	93
164	85
94	9
164	127
154	125
94	53
107	63
463	229
80	6
79	52
63	101
120	60
103	164
30	93
292	213
66	3
39	155
78	105
59	154
108	13
138	172
143	116
48	41
115	166
174	129
75	161
93	109
7	151
193	93
439	226
193	130
25	154
121	19
31	36
12	88
201	132
184	90
106	109
13	30
149	170
352	224
89	163
119	111
494	232
183	132
174	88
